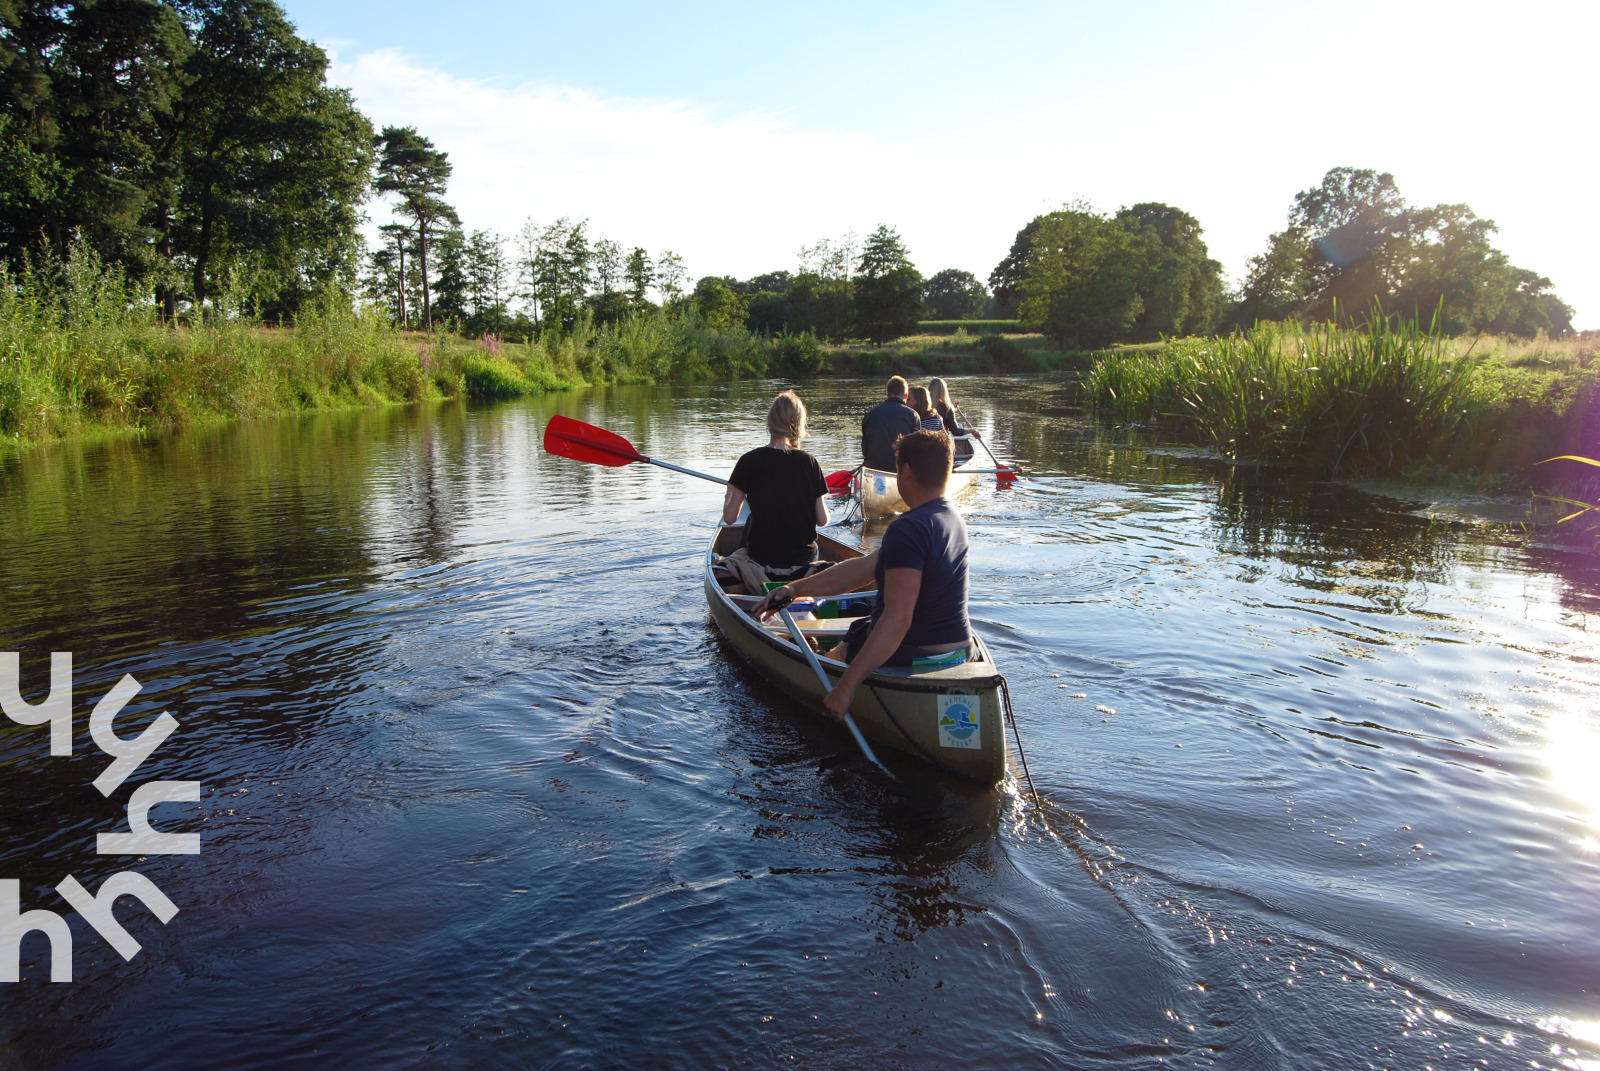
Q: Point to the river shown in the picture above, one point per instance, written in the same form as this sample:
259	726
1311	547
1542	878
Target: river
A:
483	787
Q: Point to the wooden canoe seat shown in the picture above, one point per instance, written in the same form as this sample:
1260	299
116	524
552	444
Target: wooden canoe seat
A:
822	627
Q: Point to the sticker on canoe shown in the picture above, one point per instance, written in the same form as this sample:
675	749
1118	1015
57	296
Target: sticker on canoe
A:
877	484
958	721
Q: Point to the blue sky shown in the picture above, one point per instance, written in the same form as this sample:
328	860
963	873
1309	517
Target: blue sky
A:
734	134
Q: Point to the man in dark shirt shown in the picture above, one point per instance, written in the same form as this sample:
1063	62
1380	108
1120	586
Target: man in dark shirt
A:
921	570
884	424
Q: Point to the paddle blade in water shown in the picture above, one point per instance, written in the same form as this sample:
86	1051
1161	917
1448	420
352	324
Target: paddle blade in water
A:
566	437
1005	477
840	481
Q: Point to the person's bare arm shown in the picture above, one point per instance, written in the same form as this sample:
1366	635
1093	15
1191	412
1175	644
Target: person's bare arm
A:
846	576
732	502
822	512
900	590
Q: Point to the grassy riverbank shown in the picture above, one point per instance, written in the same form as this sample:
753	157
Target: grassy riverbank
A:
1392	400
82	357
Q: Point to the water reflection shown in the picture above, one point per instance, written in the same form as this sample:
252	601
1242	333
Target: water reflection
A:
474	753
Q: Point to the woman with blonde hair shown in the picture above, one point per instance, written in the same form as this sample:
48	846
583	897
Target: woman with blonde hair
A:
945	407
785	490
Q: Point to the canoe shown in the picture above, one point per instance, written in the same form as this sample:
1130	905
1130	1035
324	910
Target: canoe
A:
878	492
949	718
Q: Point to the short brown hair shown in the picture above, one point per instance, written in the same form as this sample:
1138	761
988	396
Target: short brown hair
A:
787	417
897	387
929	455
918	400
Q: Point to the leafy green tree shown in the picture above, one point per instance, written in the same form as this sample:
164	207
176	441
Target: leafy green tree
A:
670	275
410	167
1179	285
451	287
640	274
555	268
721	306
888	289
954	295
488	277
402	235
1352	243
1081	286
821	304
274	164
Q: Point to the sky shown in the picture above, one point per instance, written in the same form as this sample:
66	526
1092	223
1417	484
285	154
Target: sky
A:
734	134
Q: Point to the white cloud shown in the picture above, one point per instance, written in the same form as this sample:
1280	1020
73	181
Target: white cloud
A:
733	194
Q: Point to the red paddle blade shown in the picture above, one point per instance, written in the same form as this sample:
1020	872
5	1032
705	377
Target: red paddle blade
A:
840	481
566	437
1005	477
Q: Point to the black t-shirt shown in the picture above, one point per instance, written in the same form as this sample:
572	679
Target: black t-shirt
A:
881	428
948	415
783	487
931	538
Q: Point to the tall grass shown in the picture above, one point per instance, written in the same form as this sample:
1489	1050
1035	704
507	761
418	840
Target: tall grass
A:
82	354
1390	398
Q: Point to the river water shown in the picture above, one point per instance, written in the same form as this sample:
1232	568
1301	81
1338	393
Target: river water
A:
483	787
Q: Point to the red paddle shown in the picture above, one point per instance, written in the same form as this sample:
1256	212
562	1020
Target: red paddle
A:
840	481
574	439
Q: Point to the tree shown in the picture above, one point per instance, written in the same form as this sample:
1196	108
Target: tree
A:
954	295
488	276
274	164
1081	286
1179	285
401	235
670	275
721	306
1352	244
452	289
888	289
640	274
409	165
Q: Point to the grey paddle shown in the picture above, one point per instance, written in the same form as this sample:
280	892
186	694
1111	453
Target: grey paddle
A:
827	686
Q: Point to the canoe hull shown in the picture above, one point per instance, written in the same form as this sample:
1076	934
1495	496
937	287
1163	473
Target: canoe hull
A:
878	492
949	718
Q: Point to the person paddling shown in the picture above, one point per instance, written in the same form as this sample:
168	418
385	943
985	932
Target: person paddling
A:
785	489
920	615
885	423
945	406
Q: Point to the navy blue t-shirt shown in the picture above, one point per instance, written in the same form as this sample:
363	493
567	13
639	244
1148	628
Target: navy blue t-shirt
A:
931	538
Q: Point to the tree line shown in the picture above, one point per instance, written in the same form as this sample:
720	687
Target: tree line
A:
196	146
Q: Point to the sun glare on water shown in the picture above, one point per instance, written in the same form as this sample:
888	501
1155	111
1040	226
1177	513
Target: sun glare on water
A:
1573	752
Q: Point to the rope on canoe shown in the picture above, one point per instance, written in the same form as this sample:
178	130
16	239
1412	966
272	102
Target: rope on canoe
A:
900	728
1011	716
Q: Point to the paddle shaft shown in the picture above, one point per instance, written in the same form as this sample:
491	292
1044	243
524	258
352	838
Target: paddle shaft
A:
679	468
827	686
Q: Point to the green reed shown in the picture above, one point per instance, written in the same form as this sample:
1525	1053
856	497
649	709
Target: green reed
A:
1388	398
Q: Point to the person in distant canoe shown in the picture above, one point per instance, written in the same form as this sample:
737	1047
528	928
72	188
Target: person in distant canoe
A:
885	423
920	616
917	399
785	489
945	406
